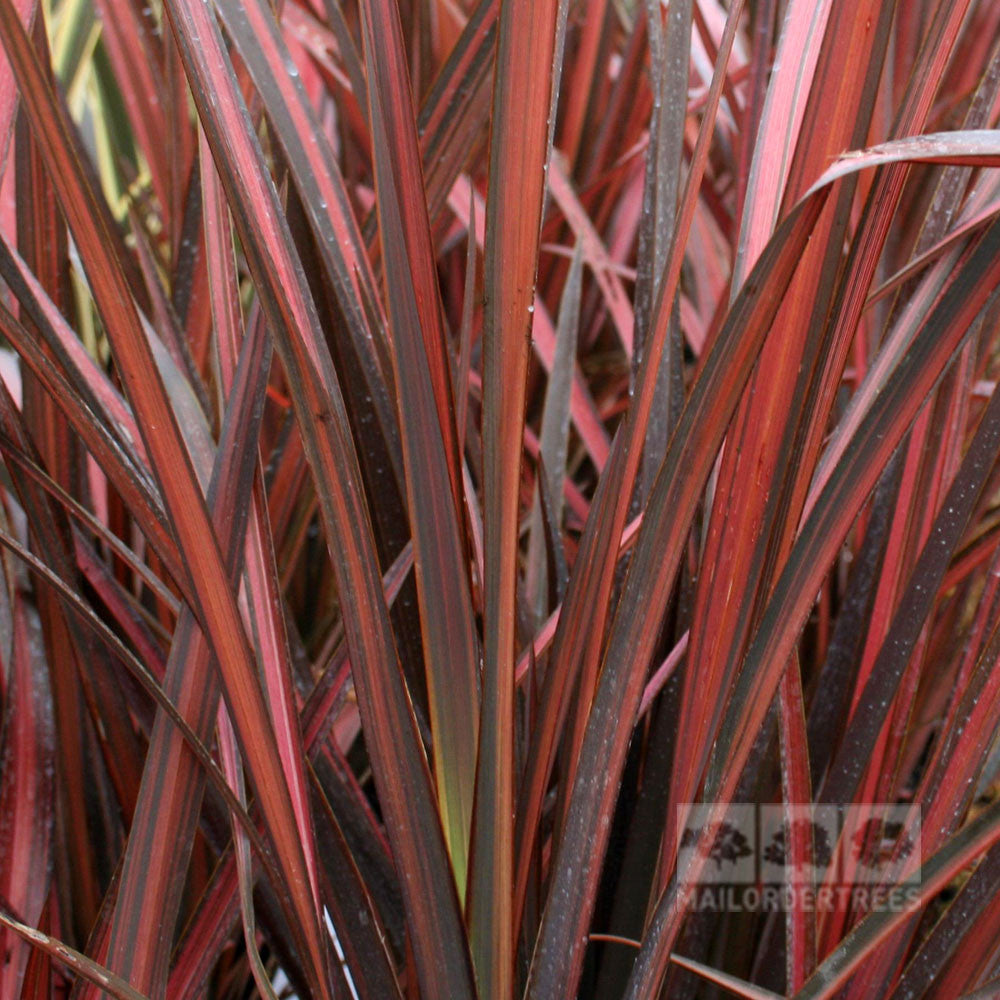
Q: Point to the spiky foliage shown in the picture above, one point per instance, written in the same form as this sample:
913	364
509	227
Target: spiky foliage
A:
442	442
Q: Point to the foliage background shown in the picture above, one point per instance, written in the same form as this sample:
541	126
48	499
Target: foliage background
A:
440	441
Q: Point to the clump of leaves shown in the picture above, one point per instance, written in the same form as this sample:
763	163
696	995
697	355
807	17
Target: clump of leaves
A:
443	442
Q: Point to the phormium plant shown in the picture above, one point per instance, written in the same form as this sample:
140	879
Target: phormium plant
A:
499	499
